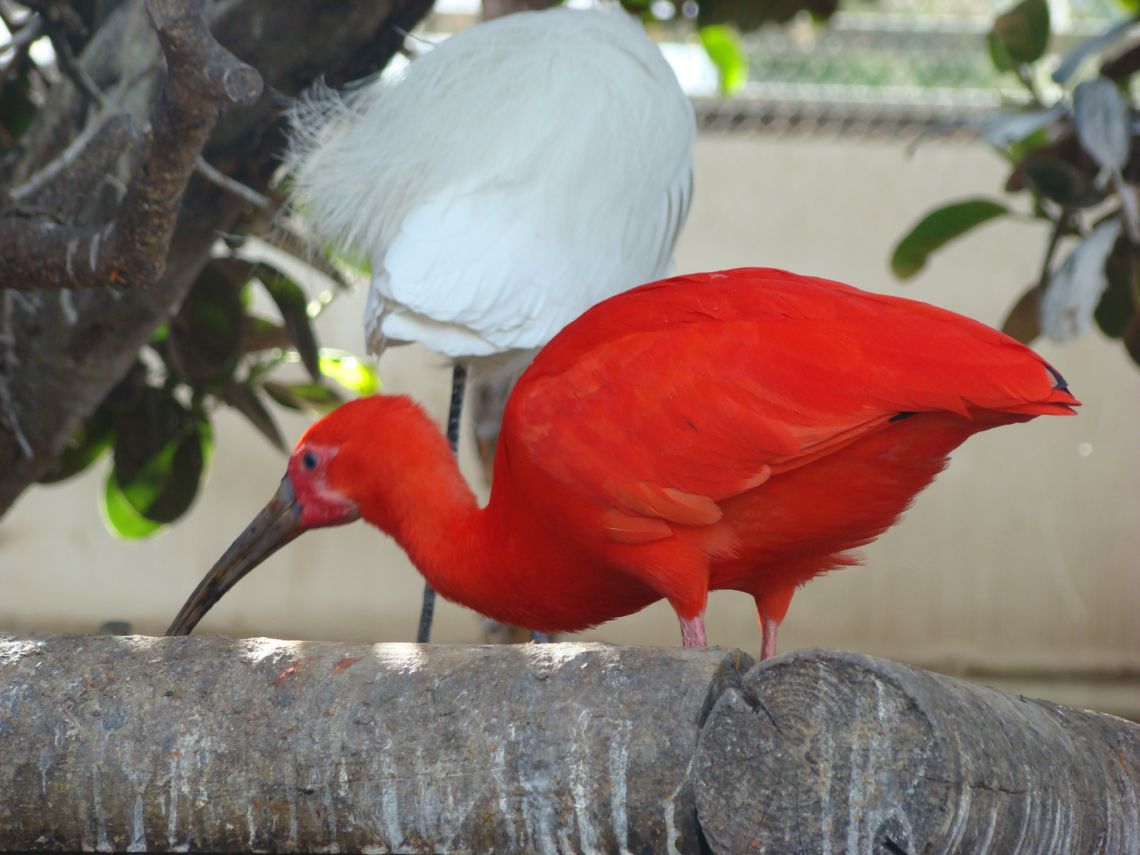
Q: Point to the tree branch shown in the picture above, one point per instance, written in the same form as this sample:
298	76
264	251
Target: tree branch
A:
202	79
220	744
63	351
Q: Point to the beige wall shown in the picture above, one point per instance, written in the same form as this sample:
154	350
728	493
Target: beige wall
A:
1024	556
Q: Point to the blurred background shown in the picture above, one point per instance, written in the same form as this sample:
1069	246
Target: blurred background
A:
1019	567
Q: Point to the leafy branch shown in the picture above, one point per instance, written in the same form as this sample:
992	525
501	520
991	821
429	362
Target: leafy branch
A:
1074	152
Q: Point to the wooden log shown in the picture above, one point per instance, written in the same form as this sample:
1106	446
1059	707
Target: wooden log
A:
134	743
830	752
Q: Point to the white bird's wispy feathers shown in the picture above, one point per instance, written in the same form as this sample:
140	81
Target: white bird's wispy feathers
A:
512	177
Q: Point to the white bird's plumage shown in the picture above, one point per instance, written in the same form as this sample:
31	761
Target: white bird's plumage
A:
511	178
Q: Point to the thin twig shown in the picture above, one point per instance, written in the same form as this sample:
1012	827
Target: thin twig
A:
233	186
72	70
1054	241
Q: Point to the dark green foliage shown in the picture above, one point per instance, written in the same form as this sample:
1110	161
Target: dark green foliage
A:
214	352
1076	162
938	228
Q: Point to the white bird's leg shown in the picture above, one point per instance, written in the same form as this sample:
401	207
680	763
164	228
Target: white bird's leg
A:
458	384
693	631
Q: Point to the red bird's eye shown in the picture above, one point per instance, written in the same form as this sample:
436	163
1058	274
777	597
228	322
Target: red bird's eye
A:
309	460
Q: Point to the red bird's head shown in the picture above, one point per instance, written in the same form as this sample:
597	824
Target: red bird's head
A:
342	469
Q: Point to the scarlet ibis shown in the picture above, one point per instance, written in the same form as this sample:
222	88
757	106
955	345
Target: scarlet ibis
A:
515	175
741	430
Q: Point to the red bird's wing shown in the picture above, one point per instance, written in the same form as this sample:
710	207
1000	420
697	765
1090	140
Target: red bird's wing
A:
660	403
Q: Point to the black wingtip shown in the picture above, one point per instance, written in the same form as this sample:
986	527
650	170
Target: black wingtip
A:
1059	381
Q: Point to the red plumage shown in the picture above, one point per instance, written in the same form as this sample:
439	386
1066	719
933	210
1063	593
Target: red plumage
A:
741	430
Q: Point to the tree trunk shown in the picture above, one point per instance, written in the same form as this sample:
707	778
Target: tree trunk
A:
62	351
230	745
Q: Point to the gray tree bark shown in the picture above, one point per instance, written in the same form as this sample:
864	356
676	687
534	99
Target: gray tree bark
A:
839	752
231	745
61	351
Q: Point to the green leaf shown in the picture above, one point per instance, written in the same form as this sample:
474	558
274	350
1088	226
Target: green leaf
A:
243	398
999	56
351	373
1060	181
293	305
723	46
1075	287
178	480
1132	338
160	455
304	397
1116	308
938	228
1025	146
1103	121
86	446
1024	320
122	519
205	336
1023	32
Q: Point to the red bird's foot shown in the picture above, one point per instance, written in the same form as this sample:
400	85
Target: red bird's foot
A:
693	632
770	627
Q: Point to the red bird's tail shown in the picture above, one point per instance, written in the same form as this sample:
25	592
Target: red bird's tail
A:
1059	401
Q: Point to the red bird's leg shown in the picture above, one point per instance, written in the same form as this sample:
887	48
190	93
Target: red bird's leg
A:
772	606
768	650
693	631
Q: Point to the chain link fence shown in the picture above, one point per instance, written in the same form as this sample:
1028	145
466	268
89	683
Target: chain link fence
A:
884	67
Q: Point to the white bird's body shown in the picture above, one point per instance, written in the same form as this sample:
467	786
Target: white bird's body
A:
515	175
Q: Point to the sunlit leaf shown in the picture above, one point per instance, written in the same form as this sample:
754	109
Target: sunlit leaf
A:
938	228
155	420
1076	286
724	48
122	519
1102	120
304	397
179	480
1024	320
351	373
1023	31
159	456
293	305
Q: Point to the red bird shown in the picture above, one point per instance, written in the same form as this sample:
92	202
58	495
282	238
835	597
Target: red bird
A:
741	430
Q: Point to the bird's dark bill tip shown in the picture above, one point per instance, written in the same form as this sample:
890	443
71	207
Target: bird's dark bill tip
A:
277	524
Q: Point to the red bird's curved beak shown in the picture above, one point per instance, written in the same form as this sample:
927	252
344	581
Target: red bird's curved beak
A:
278	523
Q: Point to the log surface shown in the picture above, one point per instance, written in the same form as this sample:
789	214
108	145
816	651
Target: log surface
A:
212	743
838	752
201	743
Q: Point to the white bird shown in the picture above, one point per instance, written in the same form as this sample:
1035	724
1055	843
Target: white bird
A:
509	179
